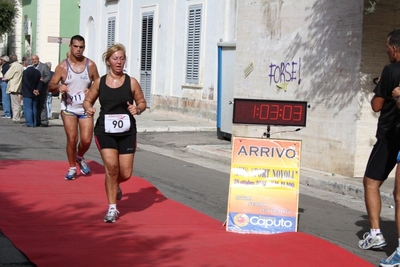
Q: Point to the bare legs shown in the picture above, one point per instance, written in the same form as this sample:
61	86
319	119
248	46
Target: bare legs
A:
373	200
118	170
85	136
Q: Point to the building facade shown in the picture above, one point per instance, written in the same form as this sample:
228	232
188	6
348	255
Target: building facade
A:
319	51
40	22
323	52
171	47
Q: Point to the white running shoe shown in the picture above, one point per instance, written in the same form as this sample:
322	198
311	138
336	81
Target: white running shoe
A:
369	242
111	216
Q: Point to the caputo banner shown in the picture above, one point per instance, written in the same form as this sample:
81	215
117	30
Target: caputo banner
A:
264	186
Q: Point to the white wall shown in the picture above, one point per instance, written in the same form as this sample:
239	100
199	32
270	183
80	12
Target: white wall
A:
169	52
48	24
335	49
321	42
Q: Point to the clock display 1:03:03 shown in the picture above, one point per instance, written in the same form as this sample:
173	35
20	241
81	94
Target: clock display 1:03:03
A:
270	112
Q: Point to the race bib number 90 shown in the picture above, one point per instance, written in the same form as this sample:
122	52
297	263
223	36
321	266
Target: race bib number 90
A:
117	123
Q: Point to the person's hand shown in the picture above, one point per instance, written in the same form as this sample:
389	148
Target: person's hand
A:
36	92
63	88
90	112
133	110
396	92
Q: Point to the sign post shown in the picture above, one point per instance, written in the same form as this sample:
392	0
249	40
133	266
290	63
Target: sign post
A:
59	40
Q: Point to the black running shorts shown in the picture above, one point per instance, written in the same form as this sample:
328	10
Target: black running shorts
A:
381	161
125	144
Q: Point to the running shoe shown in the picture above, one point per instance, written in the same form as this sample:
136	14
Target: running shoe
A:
369	242
71	174
392	261
84	167
119	193
111	216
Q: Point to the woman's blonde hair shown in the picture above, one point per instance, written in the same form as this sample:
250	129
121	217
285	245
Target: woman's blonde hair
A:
111	50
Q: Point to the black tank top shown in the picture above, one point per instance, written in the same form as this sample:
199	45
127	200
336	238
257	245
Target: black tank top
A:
113	101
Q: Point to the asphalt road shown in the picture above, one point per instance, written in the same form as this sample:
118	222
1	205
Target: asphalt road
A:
202	183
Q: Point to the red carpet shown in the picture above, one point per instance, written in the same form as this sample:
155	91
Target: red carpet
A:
60	223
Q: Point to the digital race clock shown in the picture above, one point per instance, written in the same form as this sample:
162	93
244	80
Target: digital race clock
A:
269	112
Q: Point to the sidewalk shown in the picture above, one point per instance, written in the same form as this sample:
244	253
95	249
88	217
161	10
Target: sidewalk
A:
173	122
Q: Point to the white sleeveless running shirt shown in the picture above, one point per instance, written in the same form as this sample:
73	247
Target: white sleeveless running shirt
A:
77	83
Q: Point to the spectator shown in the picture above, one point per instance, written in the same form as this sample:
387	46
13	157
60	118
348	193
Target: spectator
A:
49	94
42	119
31	85
6	99
14	78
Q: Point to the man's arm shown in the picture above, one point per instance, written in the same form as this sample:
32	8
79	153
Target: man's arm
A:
60	70
93	72
91	98
377	103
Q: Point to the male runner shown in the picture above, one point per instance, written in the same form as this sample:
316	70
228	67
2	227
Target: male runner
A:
73	78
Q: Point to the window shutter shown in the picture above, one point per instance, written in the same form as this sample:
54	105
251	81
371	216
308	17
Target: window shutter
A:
193	44
147	42
146	55
111	31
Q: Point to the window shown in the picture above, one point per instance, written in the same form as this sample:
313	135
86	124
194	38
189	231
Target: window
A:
147	42
193	44
146	55
111	31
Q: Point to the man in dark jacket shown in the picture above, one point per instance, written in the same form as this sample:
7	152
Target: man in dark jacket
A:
31	86
42	118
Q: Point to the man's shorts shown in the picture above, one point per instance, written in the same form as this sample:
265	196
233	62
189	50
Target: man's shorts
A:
382	160
69	113
125	144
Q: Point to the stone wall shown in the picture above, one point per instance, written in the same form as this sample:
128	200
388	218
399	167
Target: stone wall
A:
185	106
307	51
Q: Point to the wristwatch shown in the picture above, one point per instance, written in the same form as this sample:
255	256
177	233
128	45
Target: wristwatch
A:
139	111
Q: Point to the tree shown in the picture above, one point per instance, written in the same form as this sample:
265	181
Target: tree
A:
8	14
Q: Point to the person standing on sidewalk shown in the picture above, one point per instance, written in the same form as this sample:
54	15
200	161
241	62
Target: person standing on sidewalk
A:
31	88
14	78
383	156
394	258
6	99
42	118
73	78
49	100
121	98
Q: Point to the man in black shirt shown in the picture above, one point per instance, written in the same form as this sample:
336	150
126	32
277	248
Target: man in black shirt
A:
383	156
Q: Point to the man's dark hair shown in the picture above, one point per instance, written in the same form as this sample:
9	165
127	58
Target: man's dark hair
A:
78	38
394	38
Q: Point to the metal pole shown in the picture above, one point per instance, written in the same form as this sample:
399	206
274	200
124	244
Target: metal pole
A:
59	49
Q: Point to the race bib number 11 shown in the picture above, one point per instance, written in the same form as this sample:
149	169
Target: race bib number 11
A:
117	123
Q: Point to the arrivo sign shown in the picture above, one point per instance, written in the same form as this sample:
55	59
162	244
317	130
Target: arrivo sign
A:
270	112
